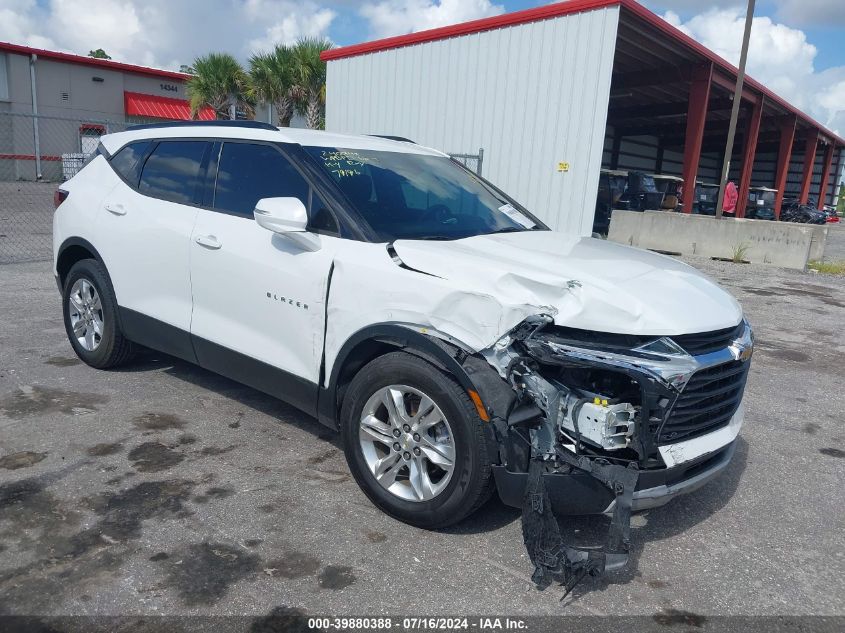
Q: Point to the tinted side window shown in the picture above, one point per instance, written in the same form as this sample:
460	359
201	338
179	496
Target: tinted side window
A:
249	172
127	160
321	218
172	171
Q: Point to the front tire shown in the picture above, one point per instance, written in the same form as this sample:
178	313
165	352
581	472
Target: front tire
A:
414	442
91	317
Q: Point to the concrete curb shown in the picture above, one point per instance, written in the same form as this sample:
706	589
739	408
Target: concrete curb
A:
782	244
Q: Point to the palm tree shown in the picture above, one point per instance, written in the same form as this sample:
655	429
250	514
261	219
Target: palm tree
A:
273	81
310	76
221	84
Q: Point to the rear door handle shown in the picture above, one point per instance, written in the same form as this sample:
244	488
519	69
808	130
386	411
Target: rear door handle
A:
116	208
209	241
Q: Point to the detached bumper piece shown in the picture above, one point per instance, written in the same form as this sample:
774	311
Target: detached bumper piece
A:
577	493
553	560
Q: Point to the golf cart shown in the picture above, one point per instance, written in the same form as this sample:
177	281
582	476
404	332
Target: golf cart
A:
706	196
761	203
671	187
641	193
611	187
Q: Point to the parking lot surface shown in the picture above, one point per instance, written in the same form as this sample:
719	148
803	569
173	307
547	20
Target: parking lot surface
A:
26	221
161	488
834	247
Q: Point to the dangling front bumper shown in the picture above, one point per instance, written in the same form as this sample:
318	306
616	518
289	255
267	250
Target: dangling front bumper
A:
579	493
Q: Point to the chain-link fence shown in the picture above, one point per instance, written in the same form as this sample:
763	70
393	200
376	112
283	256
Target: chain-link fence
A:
471	161
36	155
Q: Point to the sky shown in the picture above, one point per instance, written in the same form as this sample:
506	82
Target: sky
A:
797	46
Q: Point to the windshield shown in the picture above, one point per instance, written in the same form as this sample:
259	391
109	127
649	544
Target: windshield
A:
707	192
648	184
666	185
416	196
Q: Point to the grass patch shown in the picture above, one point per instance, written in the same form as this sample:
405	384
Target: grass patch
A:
739	252
828	268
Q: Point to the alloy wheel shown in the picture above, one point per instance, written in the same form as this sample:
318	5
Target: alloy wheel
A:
407	443
86	314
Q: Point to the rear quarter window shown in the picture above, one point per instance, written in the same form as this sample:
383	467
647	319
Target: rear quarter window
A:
127	161
172	171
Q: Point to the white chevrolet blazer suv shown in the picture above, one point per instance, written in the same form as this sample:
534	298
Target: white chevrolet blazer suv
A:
456	342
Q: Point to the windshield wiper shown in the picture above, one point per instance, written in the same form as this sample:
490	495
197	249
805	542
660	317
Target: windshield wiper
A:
510	229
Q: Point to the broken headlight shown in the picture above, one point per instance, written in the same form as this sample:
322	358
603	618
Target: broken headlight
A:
598	408
599	392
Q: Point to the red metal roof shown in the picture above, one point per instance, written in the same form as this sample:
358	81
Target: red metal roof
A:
137	104
671	31
92	61
465	28
567	8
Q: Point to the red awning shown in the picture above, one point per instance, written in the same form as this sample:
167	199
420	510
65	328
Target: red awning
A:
138	104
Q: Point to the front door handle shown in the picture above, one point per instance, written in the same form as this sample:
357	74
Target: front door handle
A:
116	208
209	241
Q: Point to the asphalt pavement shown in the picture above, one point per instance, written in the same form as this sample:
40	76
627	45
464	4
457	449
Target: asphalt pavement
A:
161	488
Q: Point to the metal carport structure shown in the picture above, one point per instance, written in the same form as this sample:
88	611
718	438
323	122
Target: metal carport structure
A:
668	86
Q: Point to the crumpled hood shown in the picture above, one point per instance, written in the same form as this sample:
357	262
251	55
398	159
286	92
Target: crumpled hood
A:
617	288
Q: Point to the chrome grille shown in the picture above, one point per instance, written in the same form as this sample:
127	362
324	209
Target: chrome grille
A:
708	342
707	403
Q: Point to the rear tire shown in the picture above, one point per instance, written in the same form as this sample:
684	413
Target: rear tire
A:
91	316
441	473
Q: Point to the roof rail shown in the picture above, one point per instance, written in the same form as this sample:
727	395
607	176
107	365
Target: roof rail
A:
256	125
392	138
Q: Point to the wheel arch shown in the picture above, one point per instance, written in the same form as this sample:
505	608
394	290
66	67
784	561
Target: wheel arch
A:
376	340
72	250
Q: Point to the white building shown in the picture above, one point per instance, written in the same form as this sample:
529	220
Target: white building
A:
555	93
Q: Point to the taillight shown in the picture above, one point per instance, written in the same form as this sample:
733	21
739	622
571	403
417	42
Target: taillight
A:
59	196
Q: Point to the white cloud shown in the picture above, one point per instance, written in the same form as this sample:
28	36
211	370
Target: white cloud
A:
395	17
686	6
163	33
292	27
779	56
795	12
18	19
807	12
87	24
831	98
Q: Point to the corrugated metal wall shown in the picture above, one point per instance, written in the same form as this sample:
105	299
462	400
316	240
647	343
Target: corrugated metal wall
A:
640	153
531	95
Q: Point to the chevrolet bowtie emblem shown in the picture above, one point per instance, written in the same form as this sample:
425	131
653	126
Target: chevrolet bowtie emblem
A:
741	351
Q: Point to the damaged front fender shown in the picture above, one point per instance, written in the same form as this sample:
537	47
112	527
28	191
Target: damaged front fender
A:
369	286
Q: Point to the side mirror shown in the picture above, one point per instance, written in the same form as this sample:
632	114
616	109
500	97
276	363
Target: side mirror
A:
281	215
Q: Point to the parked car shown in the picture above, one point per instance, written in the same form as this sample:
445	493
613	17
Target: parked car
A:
793	211
456	342
761	203
611	187
830	214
